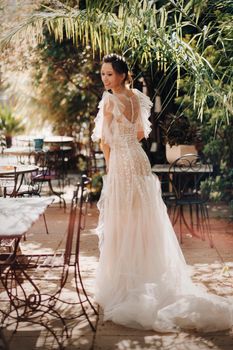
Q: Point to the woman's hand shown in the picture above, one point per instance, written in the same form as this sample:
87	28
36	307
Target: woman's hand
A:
140	135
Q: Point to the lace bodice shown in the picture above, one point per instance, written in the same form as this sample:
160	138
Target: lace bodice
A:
121	117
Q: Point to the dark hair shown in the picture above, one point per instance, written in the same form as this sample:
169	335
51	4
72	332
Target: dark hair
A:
118	64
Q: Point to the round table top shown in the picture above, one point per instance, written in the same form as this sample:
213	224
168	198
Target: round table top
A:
26	138
26	151
10	169
18	151
58	139
18	214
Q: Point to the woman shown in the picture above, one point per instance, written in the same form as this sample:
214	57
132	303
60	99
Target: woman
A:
142	279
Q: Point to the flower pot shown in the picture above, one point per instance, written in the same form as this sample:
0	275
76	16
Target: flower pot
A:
177	151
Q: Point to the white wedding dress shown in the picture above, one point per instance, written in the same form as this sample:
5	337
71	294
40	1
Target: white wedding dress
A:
142	279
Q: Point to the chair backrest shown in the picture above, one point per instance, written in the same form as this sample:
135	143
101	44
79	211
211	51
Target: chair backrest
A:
78	211
8	184
49	163
186	174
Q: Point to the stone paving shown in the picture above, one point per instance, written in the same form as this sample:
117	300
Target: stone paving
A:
205	265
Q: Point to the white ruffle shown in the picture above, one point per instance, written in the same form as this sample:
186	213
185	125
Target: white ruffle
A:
118	107
142	279
97	131
145	106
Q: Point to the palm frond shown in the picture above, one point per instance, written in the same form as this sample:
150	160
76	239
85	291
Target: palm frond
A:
145	33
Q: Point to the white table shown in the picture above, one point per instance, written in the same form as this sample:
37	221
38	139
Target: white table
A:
18	214
18	151
14	175
35	295
11	169
26	138
58	139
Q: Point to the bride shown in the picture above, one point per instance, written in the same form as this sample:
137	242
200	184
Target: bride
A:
142	279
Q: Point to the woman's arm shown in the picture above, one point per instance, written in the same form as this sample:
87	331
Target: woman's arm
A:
106	132
106	151
140	135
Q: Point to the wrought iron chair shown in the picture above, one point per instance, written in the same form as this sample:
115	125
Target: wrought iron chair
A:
190	209
9	184
168	194
49	170
36	303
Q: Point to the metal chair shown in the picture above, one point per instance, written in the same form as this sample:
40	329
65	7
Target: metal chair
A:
32	300
190	209
49	170
168	195
9	184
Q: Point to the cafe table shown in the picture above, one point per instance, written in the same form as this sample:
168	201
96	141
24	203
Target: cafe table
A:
36	284
15	174
181	190
165	170
17	215
58	139
11	169
19	154
18	151
22	154
25	139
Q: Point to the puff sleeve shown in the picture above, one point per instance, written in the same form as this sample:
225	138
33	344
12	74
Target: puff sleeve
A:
103	120
144	123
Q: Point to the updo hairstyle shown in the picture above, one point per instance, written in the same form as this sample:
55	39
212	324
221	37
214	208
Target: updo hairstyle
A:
118	64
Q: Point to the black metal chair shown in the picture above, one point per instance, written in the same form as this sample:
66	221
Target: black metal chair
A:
190	209
49	170
168	195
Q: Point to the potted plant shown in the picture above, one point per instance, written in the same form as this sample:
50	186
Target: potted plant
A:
9	124
180	136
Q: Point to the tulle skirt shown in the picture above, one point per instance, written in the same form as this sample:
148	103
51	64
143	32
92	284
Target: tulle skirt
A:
142	280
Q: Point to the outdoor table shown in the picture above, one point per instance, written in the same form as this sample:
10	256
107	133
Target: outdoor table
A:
17	215
18	151
11	169
165	169
29	140
22	154
58	139
181	183
27	278
15	173
26	138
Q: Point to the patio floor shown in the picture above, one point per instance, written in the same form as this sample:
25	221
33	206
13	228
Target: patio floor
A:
205	264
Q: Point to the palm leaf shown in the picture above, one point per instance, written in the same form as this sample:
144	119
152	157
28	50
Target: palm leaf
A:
146	33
